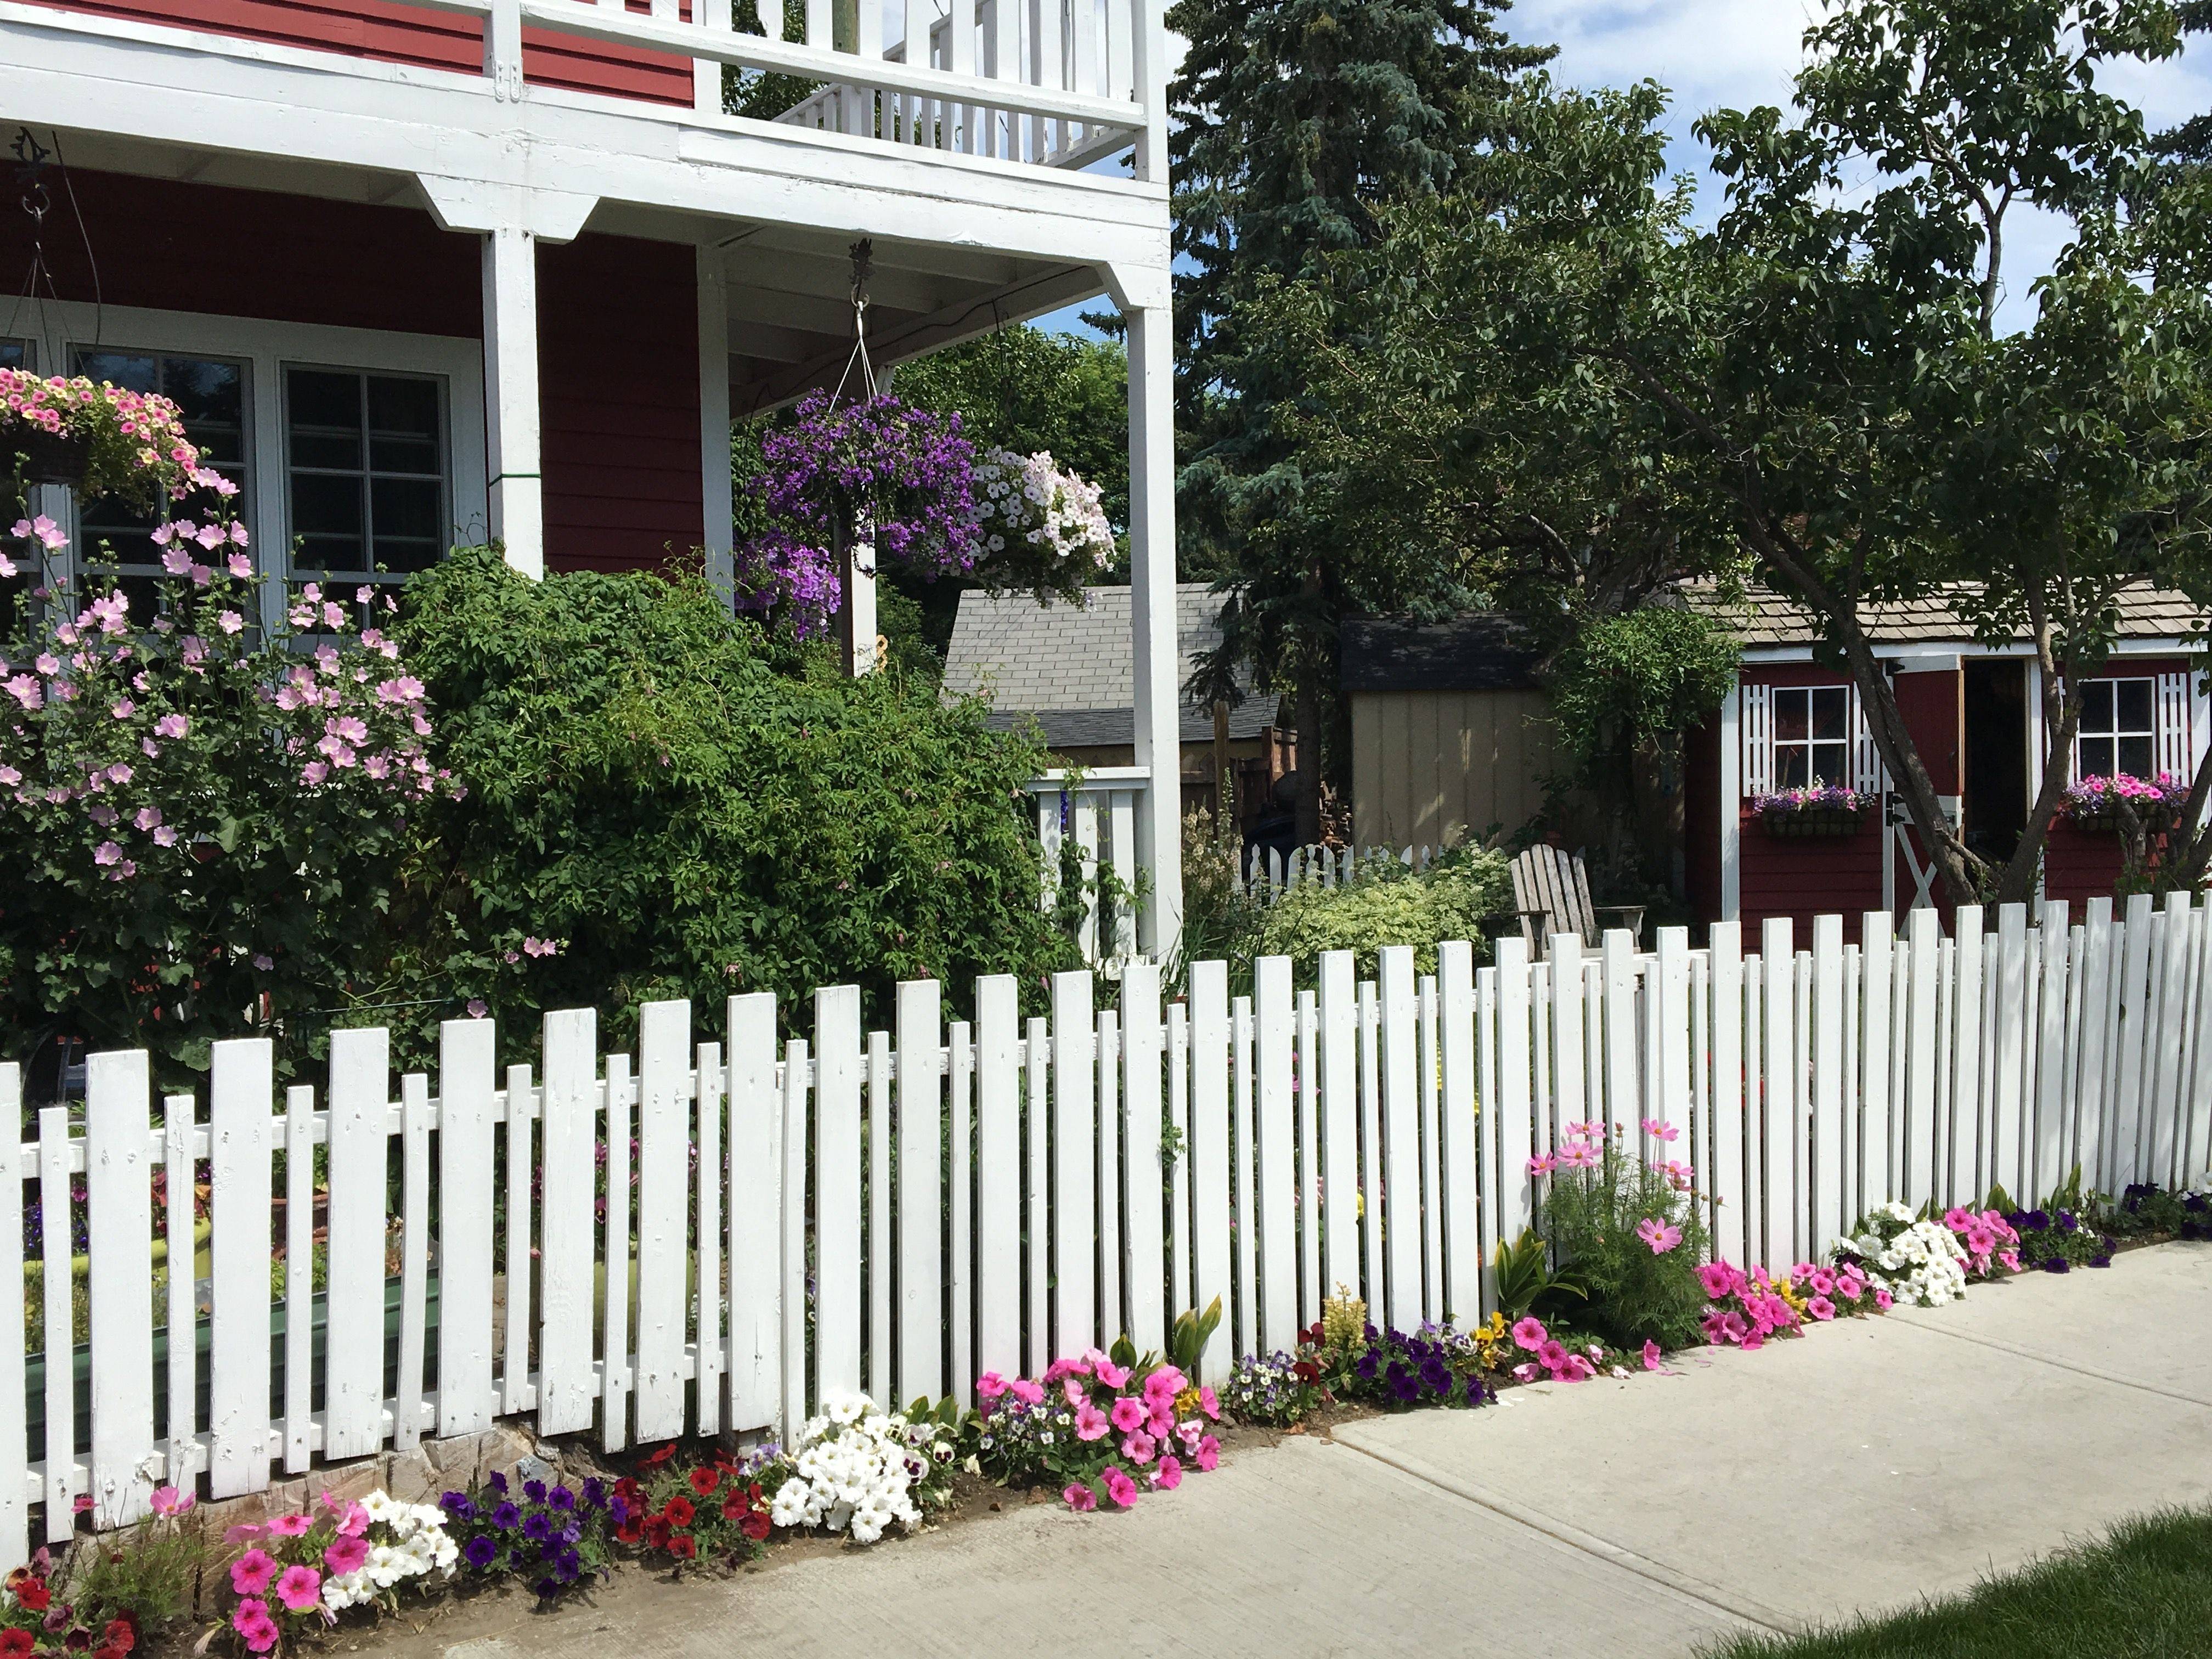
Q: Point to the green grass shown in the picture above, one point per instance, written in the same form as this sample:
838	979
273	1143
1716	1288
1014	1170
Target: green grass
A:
2142	1592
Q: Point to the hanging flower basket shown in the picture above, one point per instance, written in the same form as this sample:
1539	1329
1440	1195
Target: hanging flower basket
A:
1821	811
2093	805
54	457
100	439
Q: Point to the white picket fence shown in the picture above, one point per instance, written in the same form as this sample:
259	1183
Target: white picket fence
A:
1268	874
900	1211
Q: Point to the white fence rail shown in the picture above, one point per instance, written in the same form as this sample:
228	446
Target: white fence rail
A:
900	1211
1268	874
1096	812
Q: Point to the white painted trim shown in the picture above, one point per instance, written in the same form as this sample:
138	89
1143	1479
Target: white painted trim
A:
716	506
1920	654
1156	668
269	348
1731	805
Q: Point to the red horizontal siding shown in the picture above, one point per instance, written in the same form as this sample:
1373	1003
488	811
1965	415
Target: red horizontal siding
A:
396	33
1806	876
619	403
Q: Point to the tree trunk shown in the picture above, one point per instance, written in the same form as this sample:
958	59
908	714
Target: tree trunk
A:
1308	772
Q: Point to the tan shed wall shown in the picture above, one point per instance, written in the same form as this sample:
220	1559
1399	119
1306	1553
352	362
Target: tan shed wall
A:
1428	766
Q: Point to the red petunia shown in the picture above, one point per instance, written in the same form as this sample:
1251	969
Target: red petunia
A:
14	1642
630	1532
657	1531
683	1546
703	1481
1306	1370
34	1596
108	1650
679	1511
628	1488
121	1635
653	1460
754	1526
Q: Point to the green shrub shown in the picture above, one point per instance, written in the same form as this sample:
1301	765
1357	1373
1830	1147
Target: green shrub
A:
683	807
1385	903
1633	1290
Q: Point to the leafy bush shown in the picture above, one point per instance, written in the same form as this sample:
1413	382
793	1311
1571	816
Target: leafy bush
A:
1639	674
1630	1233
1385	903
202	820
663	802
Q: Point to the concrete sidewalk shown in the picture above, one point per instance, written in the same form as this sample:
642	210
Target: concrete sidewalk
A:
1872	1463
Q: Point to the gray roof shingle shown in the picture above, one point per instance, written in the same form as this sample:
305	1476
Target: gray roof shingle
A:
1069	665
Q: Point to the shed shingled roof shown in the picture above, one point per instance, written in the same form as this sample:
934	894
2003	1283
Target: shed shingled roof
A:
1068	666
1764	617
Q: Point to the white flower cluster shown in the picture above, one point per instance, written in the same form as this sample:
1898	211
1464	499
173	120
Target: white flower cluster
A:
1032	499
857	1470
405	1540
1921	1263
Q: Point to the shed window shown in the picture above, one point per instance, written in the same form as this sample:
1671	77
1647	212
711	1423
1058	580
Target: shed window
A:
2119	729
1812	735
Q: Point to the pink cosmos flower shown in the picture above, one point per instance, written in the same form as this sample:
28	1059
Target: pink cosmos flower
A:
1209	1453
1659	1129
1080	1497
170	1500
1530	1334
990	1385
299	1587
346	1553
1169	1475
1542	1163
1658	1235
1139	1448
1091	1422
252	1573
1121	1488
1651	1356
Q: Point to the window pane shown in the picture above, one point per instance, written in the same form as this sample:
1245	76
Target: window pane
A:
12	354
402	420
2097	706
2133	698
367	459
2136	756
1791	718
1792	767
2096	757
1831	761
327	519
134	371
1830	705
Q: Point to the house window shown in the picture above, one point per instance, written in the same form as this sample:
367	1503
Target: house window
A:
13	354
1812	735
114	541
365	456
2119	731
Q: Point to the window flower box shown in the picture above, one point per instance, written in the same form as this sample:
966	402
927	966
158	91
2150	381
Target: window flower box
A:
1819	812
2093	805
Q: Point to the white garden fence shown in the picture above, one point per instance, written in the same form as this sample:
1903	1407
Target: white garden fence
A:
901	1210
1268	874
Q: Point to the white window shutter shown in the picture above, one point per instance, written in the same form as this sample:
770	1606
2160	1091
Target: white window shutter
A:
1868	775
1757	723
2175	748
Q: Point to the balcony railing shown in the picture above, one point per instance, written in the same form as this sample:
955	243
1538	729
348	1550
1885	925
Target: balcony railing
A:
1050	82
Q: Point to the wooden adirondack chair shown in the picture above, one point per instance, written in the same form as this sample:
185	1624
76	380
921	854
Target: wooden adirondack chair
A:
1551	888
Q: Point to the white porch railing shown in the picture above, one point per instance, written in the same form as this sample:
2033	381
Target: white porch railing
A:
1376	1135
1051	82
1098	810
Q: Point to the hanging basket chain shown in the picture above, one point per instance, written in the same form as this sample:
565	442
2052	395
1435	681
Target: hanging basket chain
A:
863	255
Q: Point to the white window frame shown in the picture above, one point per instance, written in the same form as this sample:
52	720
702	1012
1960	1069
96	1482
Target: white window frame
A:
2116	735
269	349
1844	771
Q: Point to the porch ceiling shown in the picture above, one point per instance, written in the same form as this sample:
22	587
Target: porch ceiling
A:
791	321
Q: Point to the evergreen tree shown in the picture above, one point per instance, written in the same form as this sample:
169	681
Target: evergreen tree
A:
1296	120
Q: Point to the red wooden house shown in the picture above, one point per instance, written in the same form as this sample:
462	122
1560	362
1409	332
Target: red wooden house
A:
430	271
1975	712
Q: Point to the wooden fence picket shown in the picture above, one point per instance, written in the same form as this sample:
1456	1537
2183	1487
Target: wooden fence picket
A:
1461	1197
1779	1121
837	1218
1515	1185
998	1175
754	1142
1075	1174
920	1193
353	1351
2130	1026
1916	1131
118	1101
1827	1192
1242	1320
1309	1159
1876	1040
1402	1146
1106	1056
1339	1123
1371	1148
1426	1072
1209	1154
15	1488
467	1078
1276	1217
1144	1203
2044	1153
617	1373
663	1254
1727	1211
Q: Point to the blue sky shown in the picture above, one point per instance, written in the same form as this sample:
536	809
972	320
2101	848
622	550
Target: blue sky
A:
1714	54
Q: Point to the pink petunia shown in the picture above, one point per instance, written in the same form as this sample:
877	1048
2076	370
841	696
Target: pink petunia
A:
1209	1453
1718	1278
1530	1334
1091	1422
299	1587
1552	1354
1072	1391
1105	1370
255	1626
1121	1488
1883	1299
990	1385
1080	1497
290	1526
1651	1356
252	1572
1822	1308
1027	1390
1139	1448
1209	1402
346	1553
1169	1475
1129	1413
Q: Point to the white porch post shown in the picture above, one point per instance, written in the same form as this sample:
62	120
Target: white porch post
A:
1157	660
510	326
1731	805
714	414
